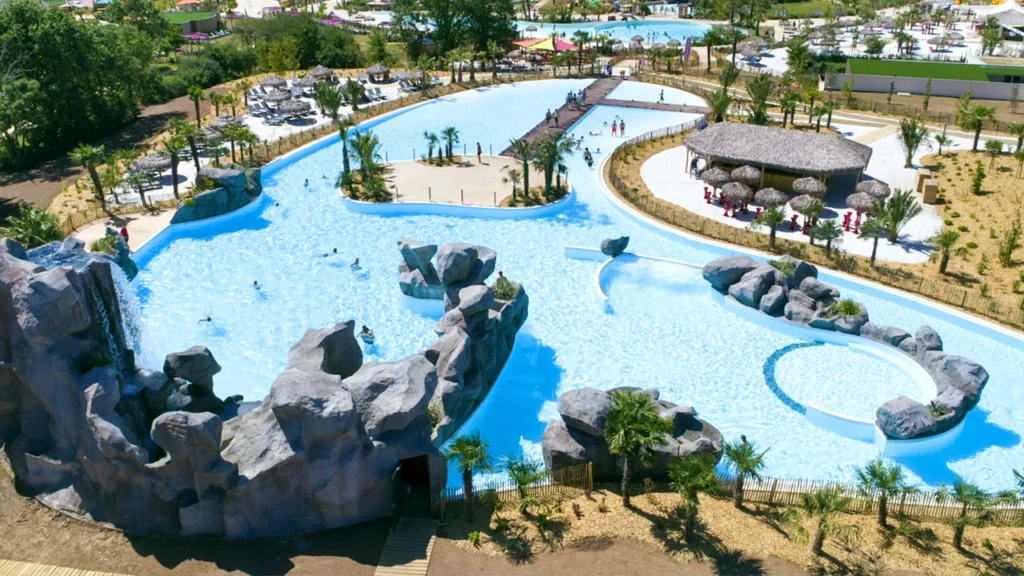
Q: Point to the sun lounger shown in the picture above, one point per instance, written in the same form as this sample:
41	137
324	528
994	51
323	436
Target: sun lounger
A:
437	81
362	78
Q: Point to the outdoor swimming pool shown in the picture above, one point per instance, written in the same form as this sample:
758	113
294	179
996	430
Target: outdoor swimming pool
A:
667	329
652	30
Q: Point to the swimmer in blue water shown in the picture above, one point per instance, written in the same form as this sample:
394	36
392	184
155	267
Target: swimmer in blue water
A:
326	254
207	319
367	335
256	285
355	265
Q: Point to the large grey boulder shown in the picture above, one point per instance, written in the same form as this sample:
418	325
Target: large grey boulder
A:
614	246
928	339
961	374
474	299
390	395
727	270
797	312
455	261
852	324
801	270
234	189
891	335
230	179
334	351
196	365
417	276
904	418
585	409
752	286
773	303
817	289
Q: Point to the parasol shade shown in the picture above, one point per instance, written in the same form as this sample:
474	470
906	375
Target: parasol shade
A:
770	197
277	96
874	188
294	107
737	192
321	72
308	81
860	202
810	186
223	121
377	69
153	163
800	203
747	175
715	177
273	81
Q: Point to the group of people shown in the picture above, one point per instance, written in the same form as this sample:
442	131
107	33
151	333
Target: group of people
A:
618	129
576	100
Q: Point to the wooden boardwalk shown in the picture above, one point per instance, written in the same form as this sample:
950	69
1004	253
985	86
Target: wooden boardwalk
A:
12	568
596	92
407	549
655	106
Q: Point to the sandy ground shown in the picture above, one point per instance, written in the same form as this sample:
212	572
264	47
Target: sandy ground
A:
141	227
480	183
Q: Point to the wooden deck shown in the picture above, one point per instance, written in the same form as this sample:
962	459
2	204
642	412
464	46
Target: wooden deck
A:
12	568
407	549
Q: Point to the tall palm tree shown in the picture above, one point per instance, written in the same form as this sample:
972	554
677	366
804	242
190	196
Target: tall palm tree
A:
744	461
1017	129
346	167
760	90
232	133
873	229
248	139
886	481
137	182
900	209
828	231
712	36
944	242
580	38
354	92
691	476
973	117
328	97
450	135
469	454
90	157
432	140
228	99
195	94
215	101
913	135
975	507
524	472
810	212
633	428
187	131
829	106
494	53
366	146
523	149
550	153
788	103
719	102
821	507
173	147
513	177
243	87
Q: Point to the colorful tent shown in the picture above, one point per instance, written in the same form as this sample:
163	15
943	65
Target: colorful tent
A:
553	45
188	2
529	42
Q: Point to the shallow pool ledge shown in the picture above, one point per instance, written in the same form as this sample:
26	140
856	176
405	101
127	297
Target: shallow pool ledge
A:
457	210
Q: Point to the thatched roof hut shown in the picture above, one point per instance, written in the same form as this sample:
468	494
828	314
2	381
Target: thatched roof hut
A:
294	107
715	177
273	81
153	163
770	197
277	96
802	202
746	174
321	72
860	202
788	151
378	69
875	188
810	186
223	121
738	192
531	28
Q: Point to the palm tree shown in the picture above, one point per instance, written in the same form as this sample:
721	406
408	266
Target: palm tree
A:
821	506
975	507
187	131
232	132
243	87
829	106
633	429
228	99
873	229
712	36
828	231
810	212
248	139
346	169
513	176
901	208
788	104
90	157
580	38
494	53
913	135
744	461
973	117
137	181
760	90
550	153
523	149
944	242
215	101
523	472
468	453
195	94
173	147
354	92
943	141
773	217
366	145
719	102
450	135
328	97
691	476
993	148
1017	129
432	140
886	481
32	227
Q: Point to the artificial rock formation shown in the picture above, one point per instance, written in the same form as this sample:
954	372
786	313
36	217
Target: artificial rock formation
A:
477	331
803	299
88	432
236	187
578	436
614	246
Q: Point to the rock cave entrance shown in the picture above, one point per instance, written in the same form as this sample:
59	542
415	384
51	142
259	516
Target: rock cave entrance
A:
415	477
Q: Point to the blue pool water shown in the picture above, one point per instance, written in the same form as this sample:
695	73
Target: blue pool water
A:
652	30
665	327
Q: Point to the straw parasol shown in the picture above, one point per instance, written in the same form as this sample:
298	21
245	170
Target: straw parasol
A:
874	188
860	202
674	43
515	54
321	72
747	175
378	69
308	81
770	197
294	107
153	163
758	43
637	38
277	96
221	122
715	177
801	202
939	40
273	81
531	28
955	36
810	186
737	192
748	51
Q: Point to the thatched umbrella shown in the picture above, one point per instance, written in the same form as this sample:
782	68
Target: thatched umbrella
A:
874	188
747	175
637	38
939	40
321	72
738	192
378	69
273	81
748	51
531	28
515	55
308	81
277	96
636	46
715	177
294	107
810	186
770	197
860	202
153	163
758	43
801	202
675	43
221	122
955	36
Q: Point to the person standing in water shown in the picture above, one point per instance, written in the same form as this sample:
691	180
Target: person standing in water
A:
479	152
622	128
615	129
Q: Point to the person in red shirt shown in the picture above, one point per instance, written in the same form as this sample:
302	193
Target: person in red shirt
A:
124	233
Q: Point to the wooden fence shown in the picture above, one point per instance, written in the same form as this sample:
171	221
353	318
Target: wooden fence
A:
565	483
972	301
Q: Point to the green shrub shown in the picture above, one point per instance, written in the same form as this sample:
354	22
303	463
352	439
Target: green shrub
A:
947	222
984	290
105	244
954	215
474	538
983	265
972	245
434	415
937	410
847	307
1016	286
188	202
992	233
502	288
962	228
32	227
784	266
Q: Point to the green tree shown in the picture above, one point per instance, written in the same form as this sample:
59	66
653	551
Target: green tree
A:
944	242
328	97
1010	243
32	227
898	211
173	147
377	49
450	135
512	176
232	133
633	428
821	507
745	462
973	117
975	507
759	89
1017	129
692	476
137	181
772	217
243	87
885	481
913	135
828	231
189	133
943	141
993	148
354	93
873	229
90	157
195	94
524	472
366	146
719	102
550	153
712	37
977	178
788	104
846	89
523	149
828	106
810	212
874	45
432	141
469	455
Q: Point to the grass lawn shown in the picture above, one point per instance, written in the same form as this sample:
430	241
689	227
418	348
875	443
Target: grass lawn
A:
182	17
938	70
818	8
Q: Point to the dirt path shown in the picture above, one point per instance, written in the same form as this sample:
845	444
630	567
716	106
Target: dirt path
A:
40	185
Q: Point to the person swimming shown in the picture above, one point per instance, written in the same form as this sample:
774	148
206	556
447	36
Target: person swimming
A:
207	319
367	335
355	265
326	254
255	284
306	183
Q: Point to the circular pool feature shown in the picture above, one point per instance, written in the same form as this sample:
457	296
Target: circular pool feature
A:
652	30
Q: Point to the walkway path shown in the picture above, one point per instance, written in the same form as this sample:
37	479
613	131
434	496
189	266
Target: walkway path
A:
407	549
12	568
655	106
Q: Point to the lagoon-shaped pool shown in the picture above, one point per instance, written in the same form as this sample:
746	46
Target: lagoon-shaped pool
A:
666	328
